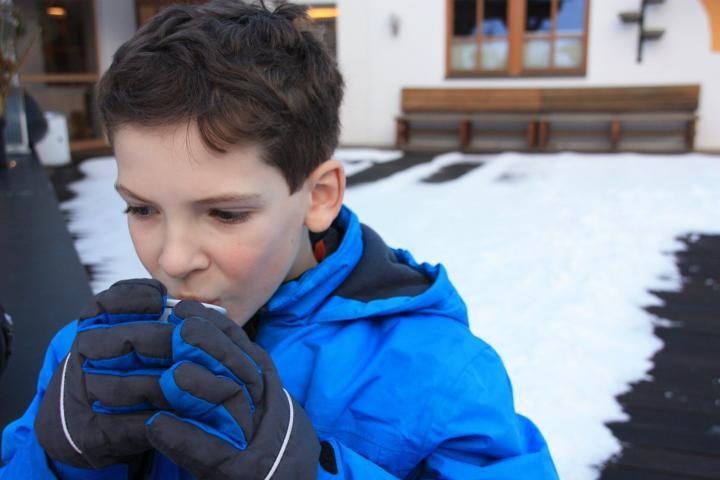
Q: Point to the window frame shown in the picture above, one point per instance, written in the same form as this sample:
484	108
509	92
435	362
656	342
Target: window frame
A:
87	76
516	19
146	9
75	79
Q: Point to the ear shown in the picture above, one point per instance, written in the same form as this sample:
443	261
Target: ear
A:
327	189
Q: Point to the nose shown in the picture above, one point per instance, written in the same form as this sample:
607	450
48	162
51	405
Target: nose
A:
181	253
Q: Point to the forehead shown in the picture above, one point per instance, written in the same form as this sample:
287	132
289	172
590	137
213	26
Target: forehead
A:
149	157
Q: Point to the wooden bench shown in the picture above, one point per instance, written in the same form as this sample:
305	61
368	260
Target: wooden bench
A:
653	119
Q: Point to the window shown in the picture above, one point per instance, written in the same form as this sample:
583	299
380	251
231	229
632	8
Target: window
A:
324	17
68	36
62	66
516	37
146	9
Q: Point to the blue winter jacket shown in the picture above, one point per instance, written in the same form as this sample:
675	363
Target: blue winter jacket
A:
378	351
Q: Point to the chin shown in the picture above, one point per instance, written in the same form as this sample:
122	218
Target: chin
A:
239	320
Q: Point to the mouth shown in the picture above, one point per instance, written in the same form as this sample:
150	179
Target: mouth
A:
198	299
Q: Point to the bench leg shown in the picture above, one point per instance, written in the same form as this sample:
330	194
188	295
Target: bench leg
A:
532	134
615	133
402	133
690	135
465	133
543	134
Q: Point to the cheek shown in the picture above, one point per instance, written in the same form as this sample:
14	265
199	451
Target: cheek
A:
259	267
146	247
238	262
255	263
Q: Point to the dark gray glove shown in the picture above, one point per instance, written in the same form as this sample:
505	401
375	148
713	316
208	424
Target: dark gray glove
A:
232	419
94	411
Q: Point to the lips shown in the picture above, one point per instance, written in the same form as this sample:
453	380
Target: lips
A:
198	299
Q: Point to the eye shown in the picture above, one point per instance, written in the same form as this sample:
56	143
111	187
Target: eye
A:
226	216
141	212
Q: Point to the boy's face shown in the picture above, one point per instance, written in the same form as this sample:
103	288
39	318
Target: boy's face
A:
220	228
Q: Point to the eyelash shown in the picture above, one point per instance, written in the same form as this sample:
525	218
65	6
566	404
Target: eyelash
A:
136	211
223	216
230	217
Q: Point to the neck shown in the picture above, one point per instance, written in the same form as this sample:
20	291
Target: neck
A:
305	259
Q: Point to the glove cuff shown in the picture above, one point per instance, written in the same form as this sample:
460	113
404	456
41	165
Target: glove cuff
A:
286	439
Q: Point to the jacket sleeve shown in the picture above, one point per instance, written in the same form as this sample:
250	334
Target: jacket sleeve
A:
477	433
22	455
351	465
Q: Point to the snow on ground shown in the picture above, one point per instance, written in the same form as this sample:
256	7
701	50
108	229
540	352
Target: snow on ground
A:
553	254
96	217
358	159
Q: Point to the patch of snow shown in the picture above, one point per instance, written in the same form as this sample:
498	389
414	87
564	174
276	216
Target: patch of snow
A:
555	268
554	265
96	218
359	159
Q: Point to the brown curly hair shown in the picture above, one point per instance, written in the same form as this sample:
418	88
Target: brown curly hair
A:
243	73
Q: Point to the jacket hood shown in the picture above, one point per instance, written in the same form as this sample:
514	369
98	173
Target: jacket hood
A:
364	278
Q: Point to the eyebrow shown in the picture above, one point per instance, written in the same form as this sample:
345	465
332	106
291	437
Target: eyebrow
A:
223	198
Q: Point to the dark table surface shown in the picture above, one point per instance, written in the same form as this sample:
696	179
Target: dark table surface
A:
42	282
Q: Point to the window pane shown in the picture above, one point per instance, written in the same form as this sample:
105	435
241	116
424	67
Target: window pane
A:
68	36
536	53
465	18
324	19
464	54
568	52
149	8
494	54
495	18
571	16
66	41
539	16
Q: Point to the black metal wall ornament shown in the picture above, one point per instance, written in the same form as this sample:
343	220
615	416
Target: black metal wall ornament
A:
639	18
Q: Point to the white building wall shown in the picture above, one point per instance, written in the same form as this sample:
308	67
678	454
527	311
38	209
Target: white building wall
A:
377	65
116	23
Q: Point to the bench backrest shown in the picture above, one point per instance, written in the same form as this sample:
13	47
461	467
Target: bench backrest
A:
680	98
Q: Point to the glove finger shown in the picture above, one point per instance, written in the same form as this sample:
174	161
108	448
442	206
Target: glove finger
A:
127	346
197	448
290	452
116	438
127	300
198	340
117	394
69	434
189	308
216	401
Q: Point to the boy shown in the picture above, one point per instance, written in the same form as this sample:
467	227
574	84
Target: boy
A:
343	358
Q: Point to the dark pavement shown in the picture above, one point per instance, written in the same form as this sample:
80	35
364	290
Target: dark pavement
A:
42	283
674	427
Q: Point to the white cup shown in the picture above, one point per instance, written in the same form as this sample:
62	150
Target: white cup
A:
171	302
